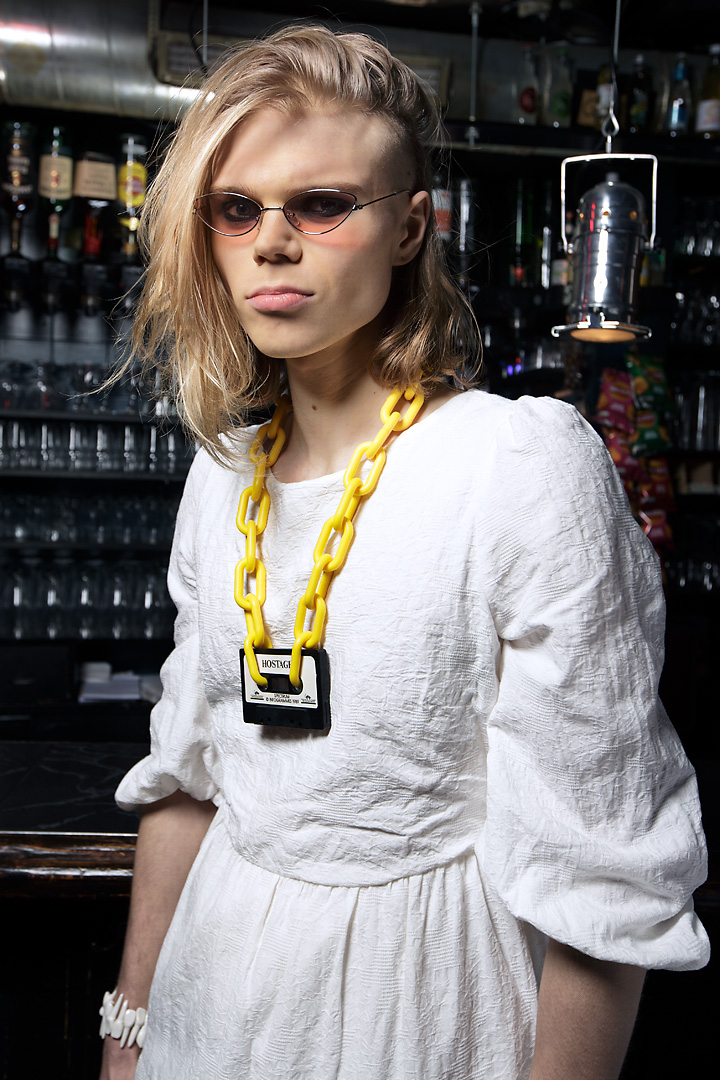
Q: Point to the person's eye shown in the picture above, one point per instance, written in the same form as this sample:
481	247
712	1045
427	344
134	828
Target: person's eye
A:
236	209
321	205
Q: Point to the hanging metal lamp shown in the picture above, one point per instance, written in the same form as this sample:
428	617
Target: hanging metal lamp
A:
609	242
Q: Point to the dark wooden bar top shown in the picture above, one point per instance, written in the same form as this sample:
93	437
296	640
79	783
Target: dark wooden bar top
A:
61	833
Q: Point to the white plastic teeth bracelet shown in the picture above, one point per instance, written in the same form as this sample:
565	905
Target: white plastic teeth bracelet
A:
127	1025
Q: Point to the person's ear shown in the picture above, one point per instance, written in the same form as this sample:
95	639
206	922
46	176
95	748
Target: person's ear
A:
415	223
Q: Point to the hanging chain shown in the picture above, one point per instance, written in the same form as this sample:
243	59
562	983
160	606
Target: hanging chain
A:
326	563
252	565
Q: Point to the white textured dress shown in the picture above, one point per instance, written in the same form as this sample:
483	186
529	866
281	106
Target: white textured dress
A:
372	903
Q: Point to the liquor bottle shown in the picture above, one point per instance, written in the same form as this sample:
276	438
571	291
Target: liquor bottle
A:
17	194
523	263
466	247
442	203
545	240
560	271
640	98
55	191
557	97
526	104
55	184
707	117
96	184
17	187
131	192
604	95
677	117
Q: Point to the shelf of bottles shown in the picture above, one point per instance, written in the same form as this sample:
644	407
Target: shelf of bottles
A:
91	473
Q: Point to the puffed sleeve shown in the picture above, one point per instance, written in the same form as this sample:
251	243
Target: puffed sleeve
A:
181	751
593	822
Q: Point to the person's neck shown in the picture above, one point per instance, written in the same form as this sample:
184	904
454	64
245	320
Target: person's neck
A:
333	411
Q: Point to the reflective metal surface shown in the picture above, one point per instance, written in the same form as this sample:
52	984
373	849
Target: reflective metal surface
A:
85	55
607	251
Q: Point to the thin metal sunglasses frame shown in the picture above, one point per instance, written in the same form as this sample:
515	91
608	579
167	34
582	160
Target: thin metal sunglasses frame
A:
311	191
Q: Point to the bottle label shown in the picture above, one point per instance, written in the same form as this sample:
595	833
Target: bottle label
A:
17	180
95	180
707	117
527	99
53	227
604	97
55	177
132	183
442	208
93	236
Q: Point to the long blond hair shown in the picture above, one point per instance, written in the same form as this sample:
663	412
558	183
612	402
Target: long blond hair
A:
186	325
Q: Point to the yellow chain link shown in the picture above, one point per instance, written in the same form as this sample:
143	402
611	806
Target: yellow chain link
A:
326	563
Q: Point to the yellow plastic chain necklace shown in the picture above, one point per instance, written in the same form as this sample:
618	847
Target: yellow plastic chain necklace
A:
326	563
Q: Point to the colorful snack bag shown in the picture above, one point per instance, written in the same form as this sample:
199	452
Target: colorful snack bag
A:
615	406
650	438
619	444
655	489
650	387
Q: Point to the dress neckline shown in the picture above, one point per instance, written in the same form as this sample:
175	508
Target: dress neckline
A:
330	481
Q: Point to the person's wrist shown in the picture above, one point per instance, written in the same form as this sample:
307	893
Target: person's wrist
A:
120	1021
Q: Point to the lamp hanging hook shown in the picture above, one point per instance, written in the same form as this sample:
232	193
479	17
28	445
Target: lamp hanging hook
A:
610	127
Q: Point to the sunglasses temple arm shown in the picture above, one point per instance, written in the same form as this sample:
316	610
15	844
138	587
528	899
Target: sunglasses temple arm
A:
361	206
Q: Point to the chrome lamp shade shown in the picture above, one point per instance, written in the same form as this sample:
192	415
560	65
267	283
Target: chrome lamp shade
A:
607	248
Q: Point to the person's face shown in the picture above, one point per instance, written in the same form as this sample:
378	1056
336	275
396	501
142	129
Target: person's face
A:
302	295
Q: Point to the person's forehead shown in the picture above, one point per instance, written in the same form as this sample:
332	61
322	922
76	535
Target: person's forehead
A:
336	142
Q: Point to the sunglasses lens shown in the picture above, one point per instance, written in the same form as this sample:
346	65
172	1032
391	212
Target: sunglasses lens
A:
226	213
319	211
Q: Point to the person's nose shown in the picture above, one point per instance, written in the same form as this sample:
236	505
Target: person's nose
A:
275	238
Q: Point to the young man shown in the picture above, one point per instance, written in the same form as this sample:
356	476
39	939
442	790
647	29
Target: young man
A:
409	764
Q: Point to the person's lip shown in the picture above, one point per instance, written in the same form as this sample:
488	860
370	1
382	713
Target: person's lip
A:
277	297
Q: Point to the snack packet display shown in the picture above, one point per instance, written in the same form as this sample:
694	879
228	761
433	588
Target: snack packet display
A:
650	438
655	489
616	405
619	448
649	384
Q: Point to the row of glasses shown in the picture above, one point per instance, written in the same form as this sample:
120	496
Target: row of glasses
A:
697	413
696	318
47	387
88	599
693	574
698	232
92	445
118	521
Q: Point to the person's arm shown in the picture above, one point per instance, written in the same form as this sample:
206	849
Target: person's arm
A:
169	837
586	1013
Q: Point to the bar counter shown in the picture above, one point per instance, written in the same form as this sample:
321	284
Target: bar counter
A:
61	833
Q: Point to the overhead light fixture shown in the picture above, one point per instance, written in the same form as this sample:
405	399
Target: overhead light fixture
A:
607	249
609	242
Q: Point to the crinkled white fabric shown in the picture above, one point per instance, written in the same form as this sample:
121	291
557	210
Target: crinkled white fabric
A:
372	902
